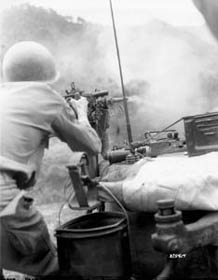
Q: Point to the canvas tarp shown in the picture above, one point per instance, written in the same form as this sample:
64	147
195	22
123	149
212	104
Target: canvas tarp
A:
191	181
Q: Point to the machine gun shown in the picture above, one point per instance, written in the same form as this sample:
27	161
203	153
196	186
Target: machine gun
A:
98	116
97	103
154	143
98	110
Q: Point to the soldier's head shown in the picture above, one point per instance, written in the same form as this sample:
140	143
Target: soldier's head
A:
28	61
72	85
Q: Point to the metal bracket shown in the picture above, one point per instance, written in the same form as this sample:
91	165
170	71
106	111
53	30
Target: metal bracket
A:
85	191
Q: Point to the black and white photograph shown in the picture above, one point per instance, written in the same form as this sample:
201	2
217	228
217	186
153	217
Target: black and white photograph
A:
108	139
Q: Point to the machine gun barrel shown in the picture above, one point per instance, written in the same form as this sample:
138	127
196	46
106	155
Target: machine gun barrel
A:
114	100
73	95
96	94
137	144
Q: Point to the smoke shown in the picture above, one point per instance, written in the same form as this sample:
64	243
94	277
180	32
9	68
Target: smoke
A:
81	59
168	72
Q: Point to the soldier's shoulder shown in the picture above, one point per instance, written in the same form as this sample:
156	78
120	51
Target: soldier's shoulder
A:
43	86
46	90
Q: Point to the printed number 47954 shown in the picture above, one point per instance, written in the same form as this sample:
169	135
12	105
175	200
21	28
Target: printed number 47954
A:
177	256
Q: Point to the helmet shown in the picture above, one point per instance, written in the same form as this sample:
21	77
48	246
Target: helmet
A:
28	61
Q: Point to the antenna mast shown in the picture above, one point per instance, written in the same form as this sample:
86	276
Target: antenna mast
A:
128	126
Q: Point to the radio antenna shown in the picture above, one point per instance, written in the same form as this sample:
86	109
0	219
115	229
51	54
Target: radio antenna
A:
128	126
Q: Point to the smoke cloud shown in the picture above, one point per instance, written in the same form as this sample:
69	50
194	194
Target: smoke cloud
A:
169	72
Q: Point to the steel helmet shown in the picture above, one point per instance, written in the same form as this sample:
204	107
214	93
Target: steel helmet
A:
28	61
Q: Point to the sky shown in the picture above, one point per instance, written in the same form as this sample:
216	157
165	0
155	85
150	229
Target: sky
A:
127	12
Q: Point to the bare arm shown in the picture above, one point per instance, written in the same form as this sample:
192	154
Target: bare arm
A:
77	133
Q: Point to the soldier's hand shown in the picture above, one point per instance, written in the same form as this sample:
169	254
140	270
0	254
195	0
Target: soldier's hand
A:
81	107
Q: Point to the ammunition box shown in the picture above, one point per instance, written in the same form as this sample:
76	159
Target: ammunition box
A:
201	132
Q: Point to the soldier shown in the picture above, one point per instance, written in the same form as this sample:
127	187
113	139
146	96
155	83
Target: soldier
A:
72	89
30	110
76	92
